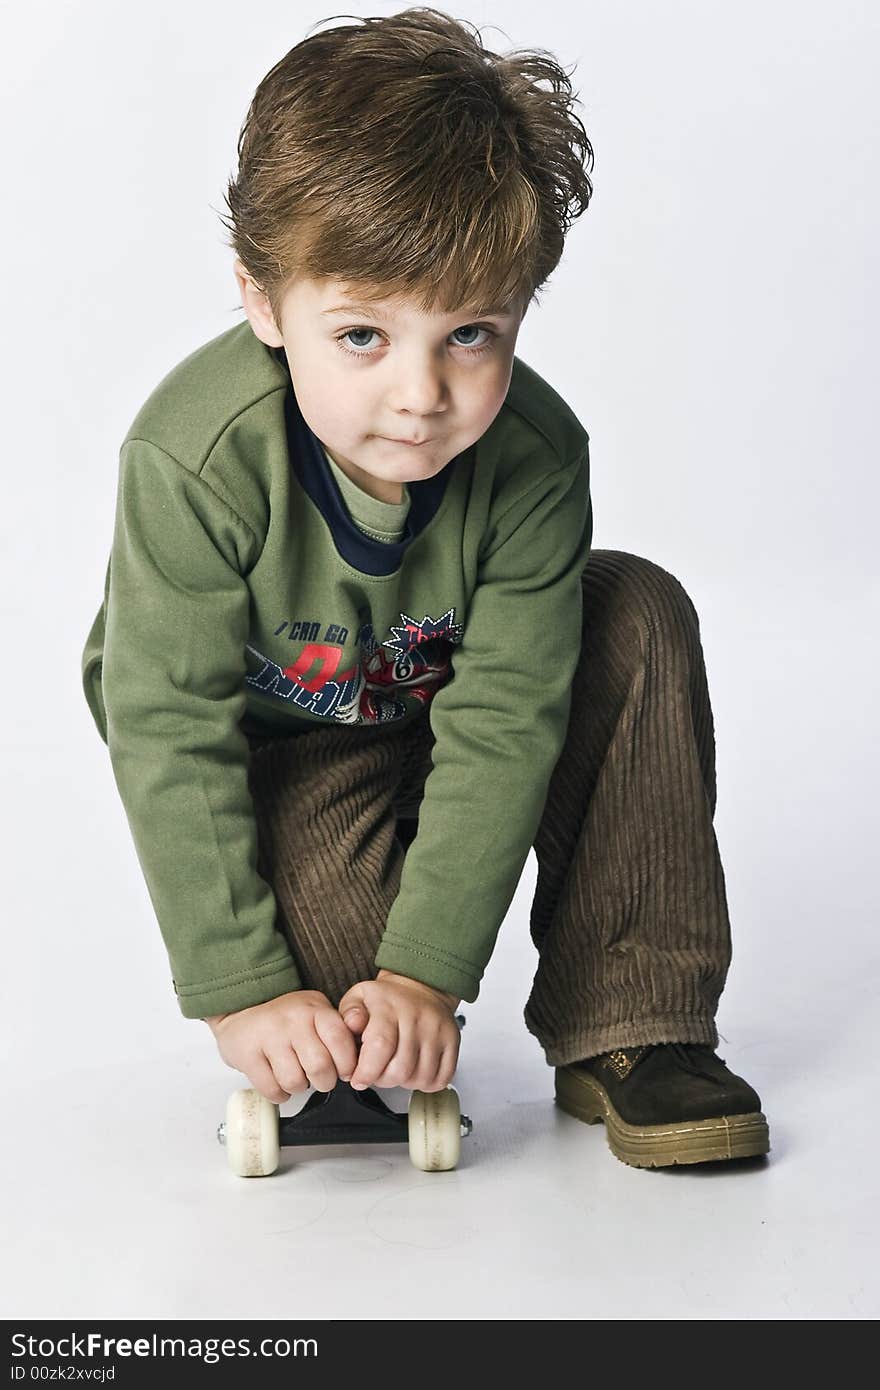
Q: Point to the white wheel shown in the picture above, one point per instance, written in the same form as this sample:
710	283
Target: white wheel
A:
434	1129
252	1134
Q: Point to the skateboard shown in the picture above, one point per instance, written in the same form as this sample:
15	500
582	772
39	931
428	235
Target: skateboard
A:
254	1131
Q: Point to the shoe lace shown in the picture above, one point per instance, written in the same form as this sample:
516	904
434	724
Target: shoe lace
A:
692	1057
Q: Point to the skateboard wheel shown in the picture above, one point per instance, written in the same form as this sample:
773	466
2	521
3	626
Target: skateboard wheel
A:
252	1134
434	1125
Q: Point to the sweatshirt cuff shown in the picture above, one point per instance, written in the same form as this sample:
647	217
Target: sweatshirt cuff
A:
229	993
422	961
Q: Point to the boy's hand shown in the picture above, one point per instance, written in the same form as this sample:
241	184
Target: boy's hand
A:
409	1036
287	1044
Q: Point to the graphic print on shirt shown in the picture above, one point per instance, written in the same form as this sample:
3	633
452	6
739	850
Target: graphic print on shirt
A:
415	660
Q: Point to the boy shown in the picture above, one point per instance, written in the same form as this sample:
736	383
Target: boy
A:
348	600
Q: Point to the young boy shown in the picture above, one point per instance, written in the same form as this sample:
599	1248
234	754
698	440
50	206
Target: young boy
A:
348	599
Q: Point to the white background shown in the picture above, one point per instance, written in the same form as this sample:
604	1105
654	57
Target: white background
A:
713	324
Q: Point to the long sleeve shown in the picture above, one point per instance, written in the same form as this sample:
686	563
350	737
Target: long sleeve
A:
500	725
173	673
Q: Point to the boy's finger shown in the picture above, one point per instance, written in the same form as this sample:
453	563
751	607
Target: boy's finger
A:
355	1017
404	1064
316	1061
263	1079
430	1062
437	1065
353	1011
351	998
448	1063
378	1046
338	1040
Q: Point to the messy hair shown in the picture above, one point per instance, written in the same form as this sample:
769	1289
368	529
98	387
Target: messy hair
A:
401	157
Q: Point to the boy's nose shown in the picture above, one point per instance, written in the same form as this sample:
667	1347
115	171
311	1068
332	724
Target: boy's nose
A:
418	398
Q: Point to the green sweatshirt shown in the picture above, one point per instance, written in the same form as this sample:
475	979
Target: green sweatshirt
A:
251	587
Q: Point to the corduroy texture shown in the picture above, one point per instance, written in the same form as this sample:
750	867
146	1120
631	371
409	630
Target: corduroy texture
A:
630	913
325	804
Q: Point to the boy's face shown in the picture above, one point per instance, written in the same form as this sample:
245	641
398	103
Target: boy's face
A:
368	378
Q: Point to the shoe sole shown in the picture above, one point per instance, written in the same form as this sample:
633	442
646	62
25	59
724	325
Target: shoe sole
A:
660	1146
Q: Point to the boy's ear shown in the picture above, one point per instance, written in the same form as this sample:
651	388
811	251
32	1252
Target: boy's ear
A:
257	307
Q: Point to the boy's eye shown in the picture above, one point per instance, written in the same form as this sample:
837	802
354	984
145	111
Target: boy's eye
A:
361	349
354	332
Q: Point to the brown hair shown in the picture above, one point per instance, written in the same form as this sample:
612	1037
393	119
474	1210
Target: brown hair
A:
400	156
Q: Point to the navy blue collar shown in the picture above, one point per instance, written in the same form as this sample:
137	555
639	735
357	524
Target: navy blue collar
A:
315	476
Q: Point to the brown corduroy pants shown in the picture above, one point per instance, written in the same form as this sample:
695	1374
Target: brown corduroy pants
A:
629	915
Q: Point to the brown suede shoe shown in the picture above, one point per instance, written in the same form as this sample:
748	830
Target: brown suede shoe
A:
665	1103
